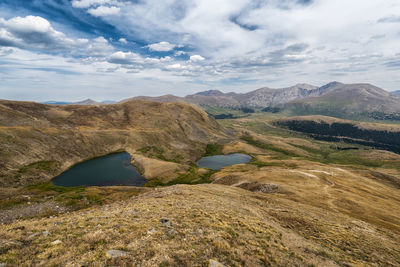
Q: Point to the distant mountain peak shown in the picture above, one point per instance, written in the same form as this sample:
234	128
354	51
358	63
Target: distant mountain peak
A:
210	93
306	86
334	83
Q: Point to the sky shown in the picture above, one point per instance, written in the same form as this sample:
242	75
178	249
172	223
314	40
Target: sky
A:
69	50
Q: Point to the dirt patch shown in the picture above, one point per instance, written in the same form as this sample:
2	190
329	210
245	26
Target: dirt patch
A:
33	210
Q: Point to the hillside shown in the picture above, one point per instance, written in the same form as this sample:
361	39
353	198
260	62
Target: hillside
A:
207	224
379	136
38	141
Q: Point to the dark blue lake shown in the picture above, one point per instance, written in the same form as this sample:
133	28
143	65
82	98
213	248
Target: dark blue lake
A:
220	161
113	169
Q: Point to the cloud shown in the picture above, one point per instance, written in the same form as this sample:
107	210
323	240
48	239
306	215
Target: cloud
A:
36	33
390	19
161	46
196	58
89	3
102	11
98	47
236	44
125	58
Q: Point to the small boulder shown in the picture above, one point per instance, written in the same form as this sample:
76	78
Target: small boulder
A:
165	222
56	242
214	263
115	253
32	236
45	233
152	231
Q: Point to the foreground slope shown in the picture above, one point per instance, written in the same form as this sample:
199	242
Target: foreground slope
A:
230	225
38	141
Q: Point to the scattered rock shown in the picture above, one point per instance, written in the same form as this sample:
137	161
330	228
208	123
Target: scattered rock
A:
45	233
32	236
115	253
257	187
56	242
2	264
171	231
214	263
165	222
152	231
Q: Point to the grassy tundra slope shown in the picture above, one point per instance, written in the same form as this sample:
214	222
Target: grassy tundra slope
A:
38	141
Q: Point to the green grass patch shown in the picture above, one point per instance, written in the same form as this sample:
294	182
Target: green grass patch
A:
152	149
348	158
48	166
49	186
213	149
158	153
270	147
261	164
328	155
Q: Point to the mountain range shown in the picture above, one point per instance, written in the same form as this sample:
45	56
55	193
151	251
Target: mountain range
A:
351	101
263	97
81	103
348	101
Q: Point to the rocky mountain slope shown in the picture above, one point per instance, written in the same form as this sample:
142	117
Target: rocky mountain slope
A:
348	100
38	141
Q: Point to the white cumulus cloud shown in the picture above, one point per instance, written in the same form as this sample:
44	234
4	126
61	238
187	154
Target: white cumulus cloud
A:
161	46
196	58
104	11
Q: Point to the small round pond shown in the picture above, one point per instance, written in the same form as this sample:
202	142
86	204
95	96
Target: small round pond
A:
113	169
220	161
